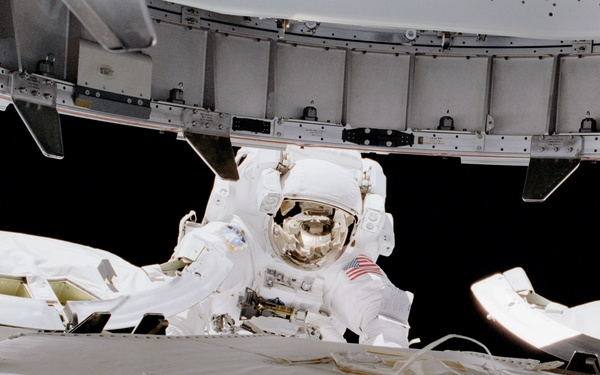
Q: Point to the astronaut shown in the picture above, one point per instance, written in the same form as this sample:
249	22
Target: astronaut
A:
289	249
302	230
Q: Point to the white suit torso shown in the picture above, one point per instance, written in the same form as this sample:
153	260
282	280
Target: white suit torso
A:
333	298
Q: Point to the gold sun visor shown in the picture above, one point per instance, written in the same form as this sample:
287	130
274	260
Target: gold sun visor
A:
321	203
310	235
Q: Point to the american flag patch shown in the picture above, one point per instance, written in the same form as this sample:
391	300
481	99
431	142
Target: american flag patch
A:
361	265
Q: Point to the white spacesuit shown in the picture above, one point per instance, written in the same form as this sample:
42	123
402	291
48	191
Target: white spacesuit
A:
303	230
289	249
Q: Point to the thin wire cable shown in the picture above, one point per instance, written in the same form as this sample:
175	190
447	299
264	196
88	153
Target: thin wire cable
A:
432	345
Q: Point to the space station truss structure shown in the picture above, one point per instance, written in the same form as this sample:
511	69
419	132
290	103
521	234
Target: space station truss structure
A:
222	80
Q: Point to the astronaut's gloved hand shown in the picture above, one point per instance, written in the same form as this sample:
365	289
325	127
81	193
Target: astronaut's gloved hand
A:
382	331
386	320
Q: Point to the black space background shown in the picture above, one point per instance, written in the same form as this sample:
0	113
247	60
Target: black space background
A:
124	190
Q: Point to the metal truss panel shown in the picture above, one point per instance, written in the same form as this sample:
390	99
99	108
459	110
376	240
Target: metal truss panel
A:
306	74
520	92
178	57
241	75
377	90
261	78
6	22
579	88
8	54
36	18
453	86
8	47
120	73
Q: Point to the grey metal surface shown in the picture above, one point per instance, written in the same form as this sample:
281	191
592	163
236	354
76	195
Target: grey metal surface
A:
499	90
304	74
8	48
41	28
178	57
520	92
241	76
374	77
123	73
449	86
579	90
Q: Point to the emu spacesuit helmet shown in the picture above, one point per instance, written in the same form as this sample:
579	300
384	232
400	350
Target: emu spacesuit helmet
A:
320	207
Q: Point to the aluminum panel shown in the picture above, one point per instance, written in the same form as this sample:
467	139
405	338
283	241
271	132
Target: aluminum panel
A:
36	18
121	73
8	54
315	74
520	95
178	57
453	86
377	90
579	89
6	22
241	74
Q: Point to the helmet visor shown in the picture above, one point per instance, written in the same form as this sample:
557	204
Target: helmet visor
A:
310	235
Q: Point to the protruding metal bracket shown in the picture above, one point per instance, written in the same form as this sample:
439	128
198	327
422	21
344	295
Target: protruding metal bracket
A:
92	324
208	134
152	324
553	159
117	25
35	100
584	363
